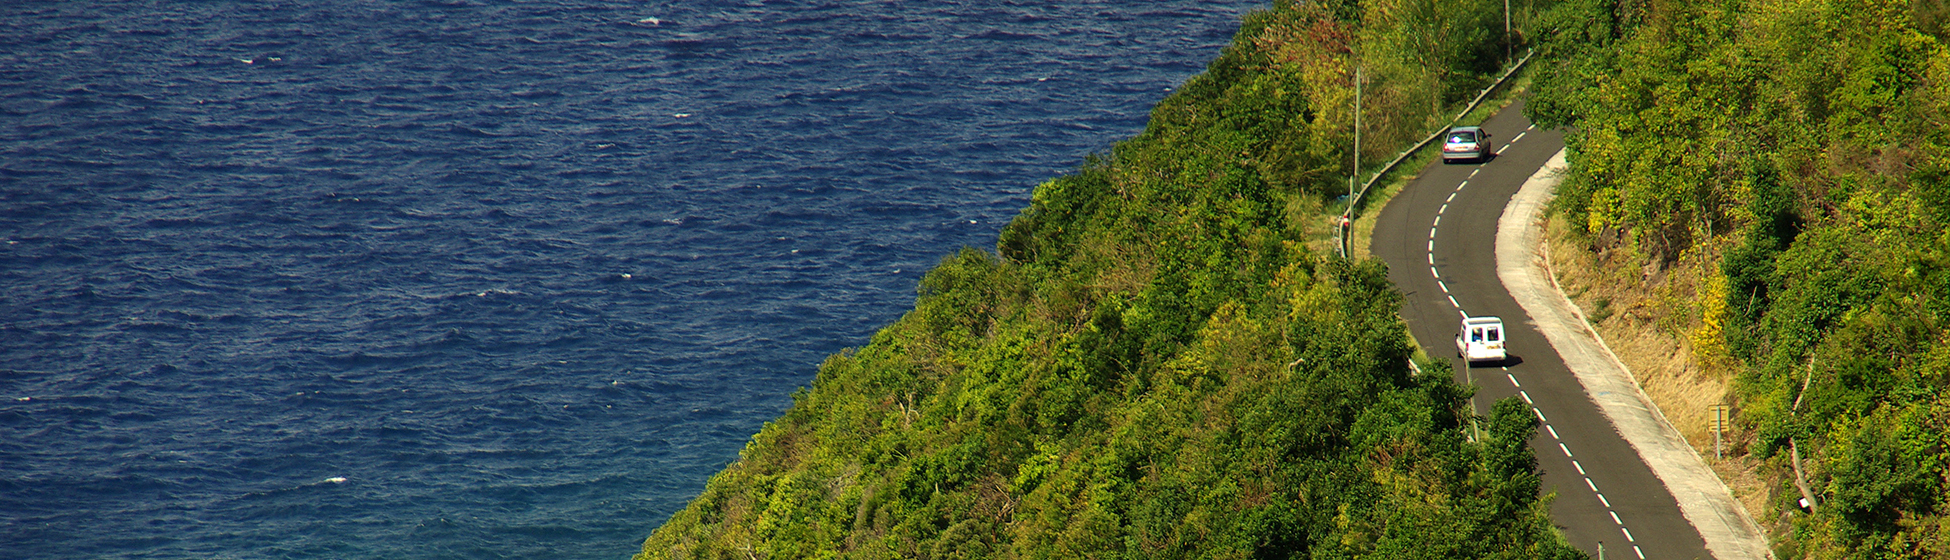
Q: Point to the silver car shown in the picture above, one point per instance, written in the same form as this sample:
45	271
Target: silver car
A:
1466	143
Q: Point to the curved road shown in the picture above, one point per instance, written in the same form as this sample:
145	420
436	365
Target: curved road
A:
1438	236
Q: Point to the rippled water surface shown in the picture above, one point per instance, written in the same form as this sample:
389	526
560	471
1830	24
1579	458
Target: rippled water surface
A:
451	279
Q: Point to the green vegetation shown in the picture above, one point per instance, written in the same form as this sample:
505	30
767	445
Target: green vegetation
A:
1803	142
1152	364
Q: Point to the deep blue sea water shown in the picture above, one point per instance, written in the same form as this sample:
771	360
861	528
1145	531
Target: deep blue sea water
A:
480	279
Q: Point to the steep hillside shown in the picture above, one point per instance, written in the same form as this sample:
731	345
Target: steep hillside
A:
1152	364
1776	175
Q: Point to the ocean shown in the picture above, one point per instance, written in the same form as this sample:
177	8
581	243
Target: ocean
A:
459	278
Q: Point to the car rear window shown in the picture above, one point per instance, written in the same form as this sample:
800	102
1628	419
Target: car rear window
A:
1461	137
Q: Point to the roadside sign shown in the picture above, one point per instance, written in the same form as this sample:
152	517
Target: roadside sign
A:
1719	426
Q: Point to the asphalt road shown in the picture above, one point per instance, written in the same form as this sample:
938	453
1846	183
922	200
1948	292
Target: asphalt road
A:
1438	237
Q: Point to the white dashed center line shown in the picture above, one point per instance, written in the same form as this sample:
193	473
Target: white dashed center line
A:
1434	227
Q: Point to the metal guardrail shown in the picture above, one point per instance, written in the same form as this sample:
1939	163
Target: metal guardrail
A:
1346	221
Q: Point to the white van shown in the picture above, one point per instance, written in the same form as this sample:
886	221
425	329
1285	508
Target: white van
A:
1481	340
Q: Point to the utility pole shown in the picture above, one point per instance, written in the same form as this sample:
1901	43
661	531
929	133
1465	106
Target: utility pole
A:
1353	177
1354	174
1506	31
